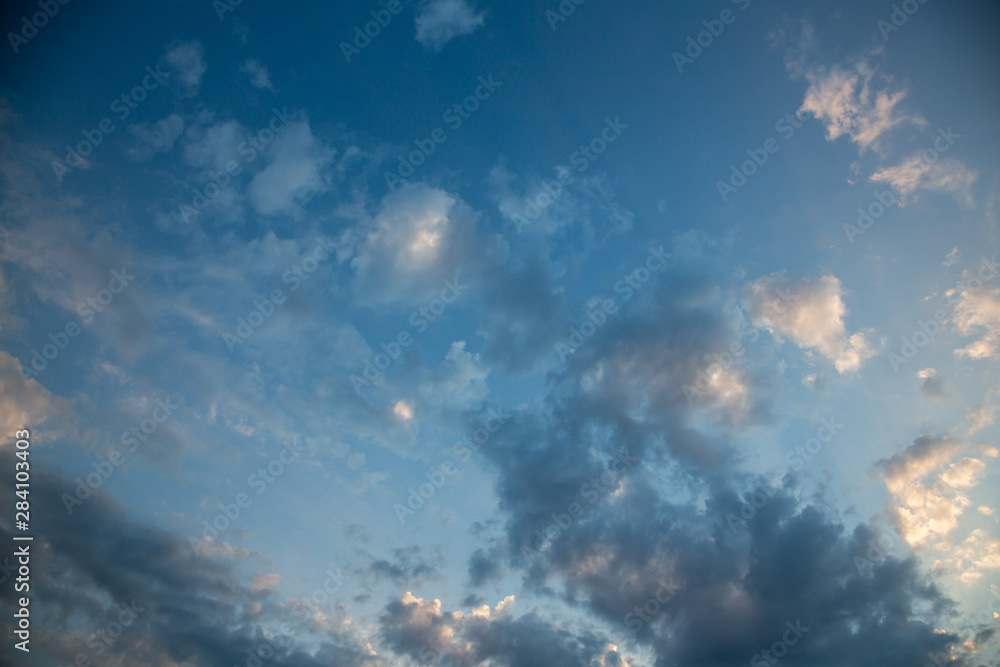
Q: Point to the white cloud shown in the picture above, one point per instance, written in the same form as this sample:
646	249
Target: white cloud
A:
294	173
187	60
811	313
421	237
979	310
929	505
438	21
259	76
981	416
264	582
849	102
917	173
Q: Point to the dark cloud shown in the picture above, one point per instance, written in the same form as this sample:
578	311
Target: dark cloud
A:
670	519
195	610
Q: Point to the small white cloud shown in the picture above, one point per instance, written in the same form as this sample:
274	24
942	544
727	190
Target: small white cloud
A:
259	76
264	582
187	60
439	21
952	257
811	313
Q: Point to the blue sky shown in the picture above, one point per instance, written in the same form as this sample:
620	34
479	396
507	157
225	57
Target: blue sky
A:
505	334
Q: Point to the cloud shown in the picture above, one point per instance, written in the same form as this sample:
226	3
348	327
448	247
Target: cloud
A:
421	237
928	510
294	173
259	76
917	173
212	145
811	313
853	102
924	455
193	607
979	310
439	21
425	632
158	137
187	60
981	416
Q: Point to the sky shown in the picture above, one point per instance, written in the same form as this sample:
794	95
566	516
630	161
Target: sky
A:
459	332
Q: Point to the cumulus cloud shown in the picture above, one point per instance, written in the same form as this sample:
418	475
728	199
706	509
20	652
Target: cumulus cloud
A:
918	173
439	21
421	237
929	488
811	313
187	61
854	102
